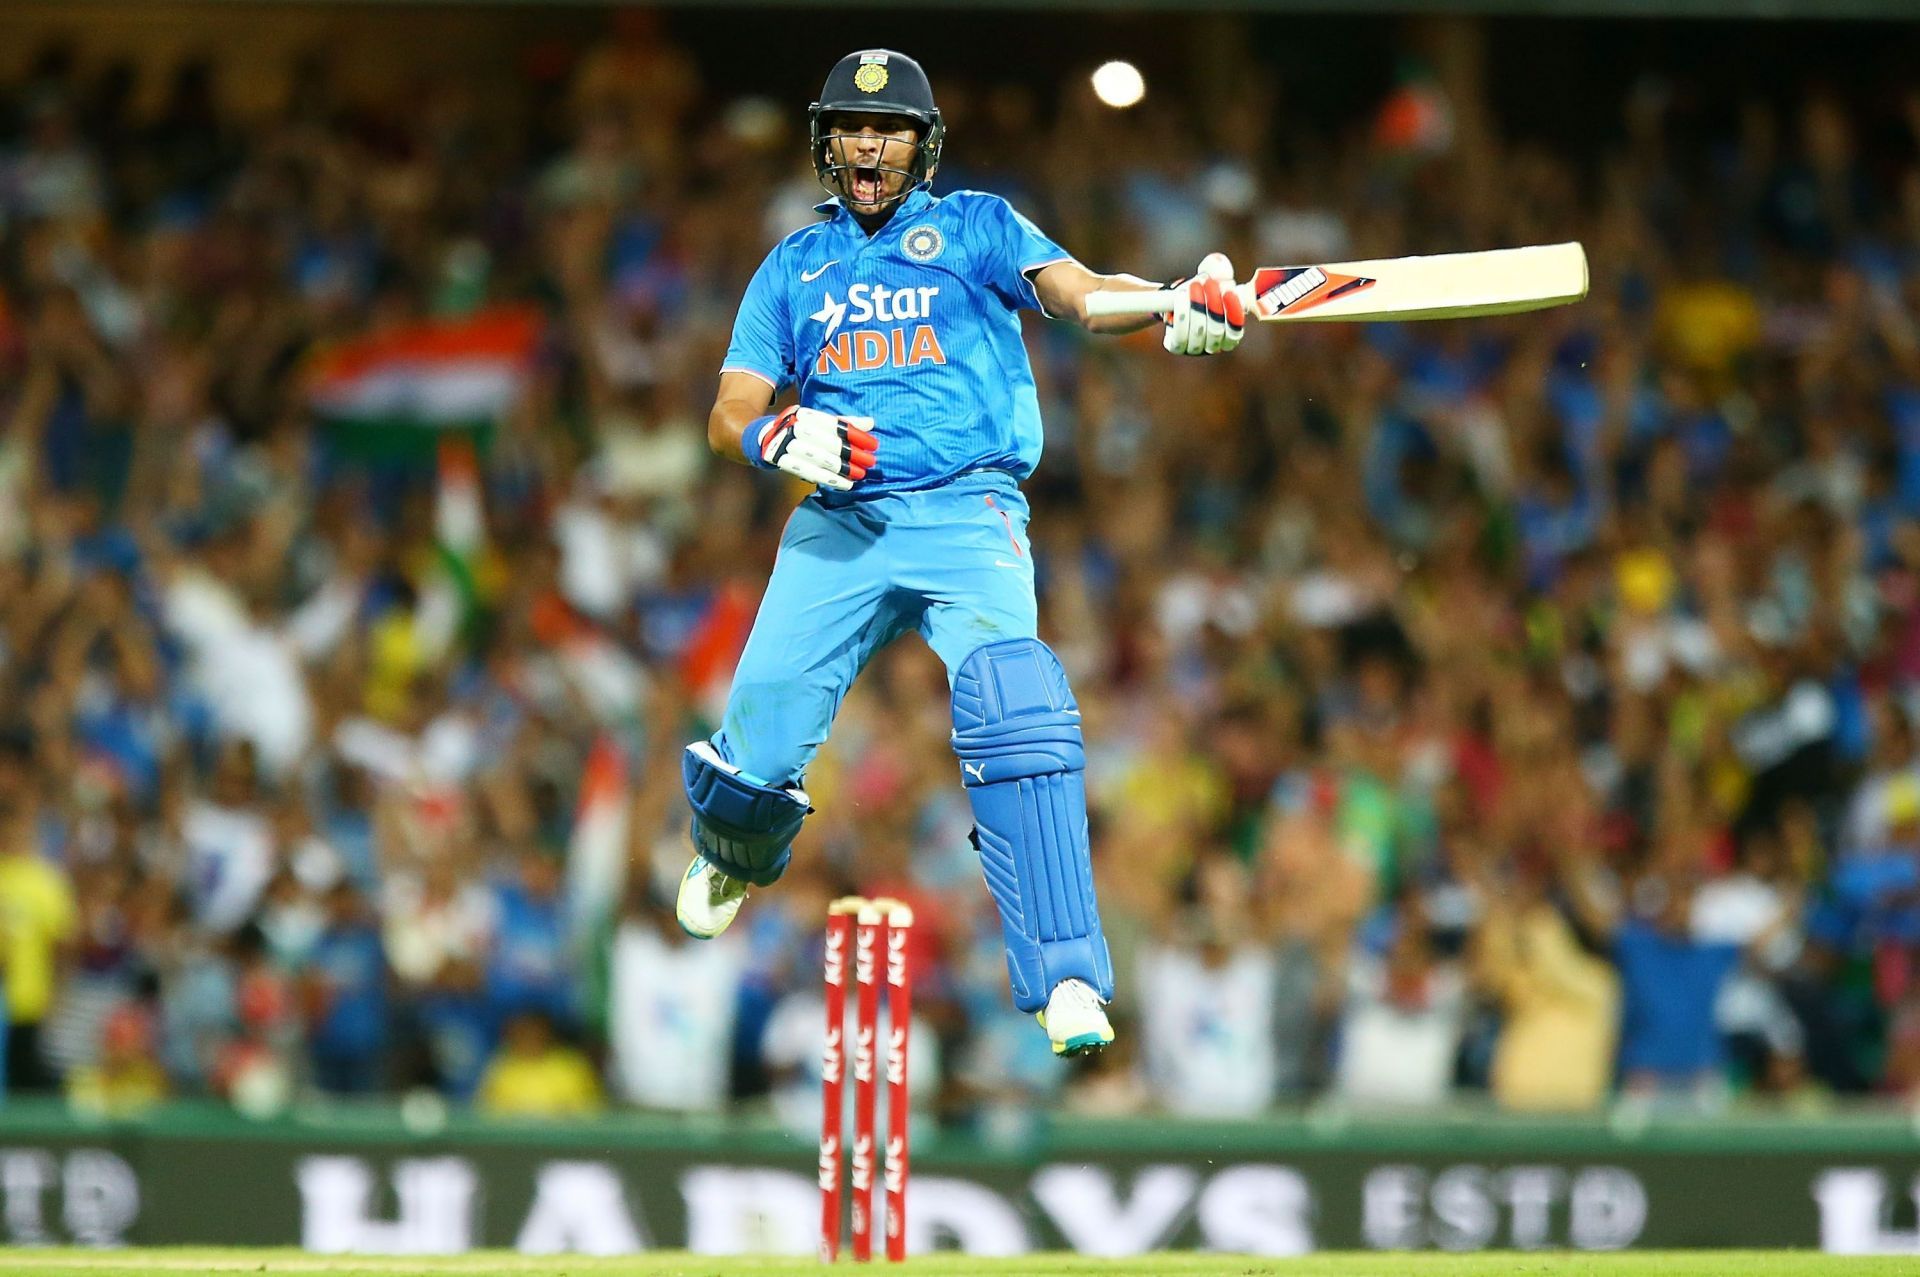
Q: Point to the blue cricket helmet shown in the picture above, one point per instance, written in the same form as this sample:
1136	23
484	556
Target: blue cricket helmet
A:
878	82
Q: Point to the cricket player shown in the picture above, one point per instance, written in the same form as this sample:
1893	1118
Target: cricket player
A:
895	319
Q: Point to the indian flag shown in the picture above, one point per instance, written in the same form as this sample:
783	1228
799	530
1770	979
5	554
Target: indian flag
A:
597	851
392	392
455	591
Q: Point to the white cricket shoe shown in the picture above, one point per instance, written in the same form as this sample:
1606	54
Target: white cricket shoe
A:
1074	1019
708	900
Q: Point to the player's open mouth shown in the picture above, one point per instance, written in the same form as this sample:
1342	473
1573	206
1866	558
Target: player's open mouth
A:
866	185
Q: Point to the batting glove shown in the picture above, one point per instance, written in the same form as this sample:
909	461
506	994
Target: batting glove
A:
1214	318
834	452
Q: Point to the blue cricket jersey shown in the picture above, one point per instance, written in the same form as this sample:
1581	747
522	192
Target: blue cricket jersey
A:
917	326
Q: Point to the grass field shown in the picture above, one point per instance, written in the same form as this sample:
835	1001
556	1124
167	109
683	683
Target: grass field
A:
148	1263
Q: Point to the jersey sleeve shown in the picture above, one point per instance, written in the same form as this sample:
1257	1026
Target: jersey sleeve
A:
762	330
1010	248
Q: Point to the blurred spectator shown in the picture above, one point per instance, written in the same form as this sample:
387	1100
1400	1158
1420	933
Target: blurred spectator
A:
533	1075
1670	984
1004	1069
229	844
1891	785
346	998
1561	1004
437	931
1405	1016
127	1080
37	926
673	1004
531	968
255	1067
1206	1006
1757	906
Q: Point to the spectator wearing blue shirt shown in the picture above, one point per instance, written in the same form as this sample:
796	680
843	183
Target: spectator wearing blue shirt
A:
346	822
1873	895
347	997
1555	513
1669	983
530	970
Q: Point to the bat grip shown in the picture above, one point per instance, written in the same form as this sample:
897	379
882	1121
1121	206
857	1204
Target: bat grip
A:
1103	302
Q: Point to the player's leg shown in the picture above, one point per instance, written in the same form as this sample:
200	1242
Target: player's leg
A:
824	613
1016	730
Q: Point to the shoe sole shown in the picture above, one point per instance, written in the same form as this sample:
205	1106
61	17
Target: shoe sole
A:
705	935
1083	1044
1079	1043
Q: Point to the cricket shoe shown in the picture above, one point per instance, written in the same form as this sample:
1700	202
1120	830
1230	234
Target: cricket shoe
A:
708	899
1074	1019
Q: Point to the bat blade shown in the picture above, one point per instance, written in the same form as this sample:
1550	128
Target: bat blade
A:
1504	281
1445	286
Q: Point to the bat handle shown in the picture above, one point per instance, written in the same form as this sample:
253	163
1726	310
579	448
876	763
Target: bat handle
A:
1103	302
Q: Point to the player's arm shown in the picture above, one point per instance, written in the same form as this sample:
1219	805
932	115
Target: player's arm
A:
742	397
1063	289
819	447
1026	268
1212	322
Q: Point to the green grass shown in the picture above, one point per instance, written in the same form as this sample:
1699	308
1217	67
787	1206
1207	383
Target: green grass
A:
159	1262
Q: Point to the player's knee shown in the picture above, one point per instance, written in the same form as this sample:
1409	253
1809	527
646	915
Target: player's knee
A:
1014	715
741	825
770	727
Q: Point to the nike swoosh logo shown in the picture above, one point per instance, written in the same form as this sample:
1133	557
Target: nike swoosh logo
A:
1002	563
807	277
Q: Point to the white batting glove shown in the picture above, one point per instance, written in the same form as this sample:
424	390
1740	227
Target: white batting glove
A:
1214	318
834	452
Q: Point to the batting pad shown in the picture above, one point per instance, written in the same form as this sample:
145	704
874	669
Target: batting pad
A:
1016	731
742	826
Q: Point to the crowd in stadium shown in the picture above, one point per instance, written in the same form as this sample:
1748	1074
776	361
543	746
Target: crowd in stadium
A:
1522	708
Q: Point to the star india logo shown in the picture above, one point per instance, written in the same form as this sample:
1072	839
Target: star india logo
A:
923	243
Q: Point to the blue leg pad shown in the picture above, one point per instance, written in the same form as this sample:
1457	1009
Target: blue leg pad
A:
742	826
1017	733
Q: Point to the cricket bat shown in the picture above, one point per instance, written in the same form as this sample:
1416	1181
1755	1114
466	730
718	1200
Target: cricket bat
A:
1505	281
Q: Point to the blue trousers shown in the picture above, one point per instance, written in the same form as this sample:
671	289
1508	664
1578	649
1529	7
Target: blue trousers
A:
952	563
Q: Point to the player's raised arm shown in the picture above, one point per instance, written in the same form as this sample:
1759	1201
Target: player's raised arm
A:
1211	323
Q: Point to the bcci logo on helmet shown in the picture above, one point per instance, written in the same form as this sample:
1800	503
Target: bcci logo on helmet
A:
872	75
923	243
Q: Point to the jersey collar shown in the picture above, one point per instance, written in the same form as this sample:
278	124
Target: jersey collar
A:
917	199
